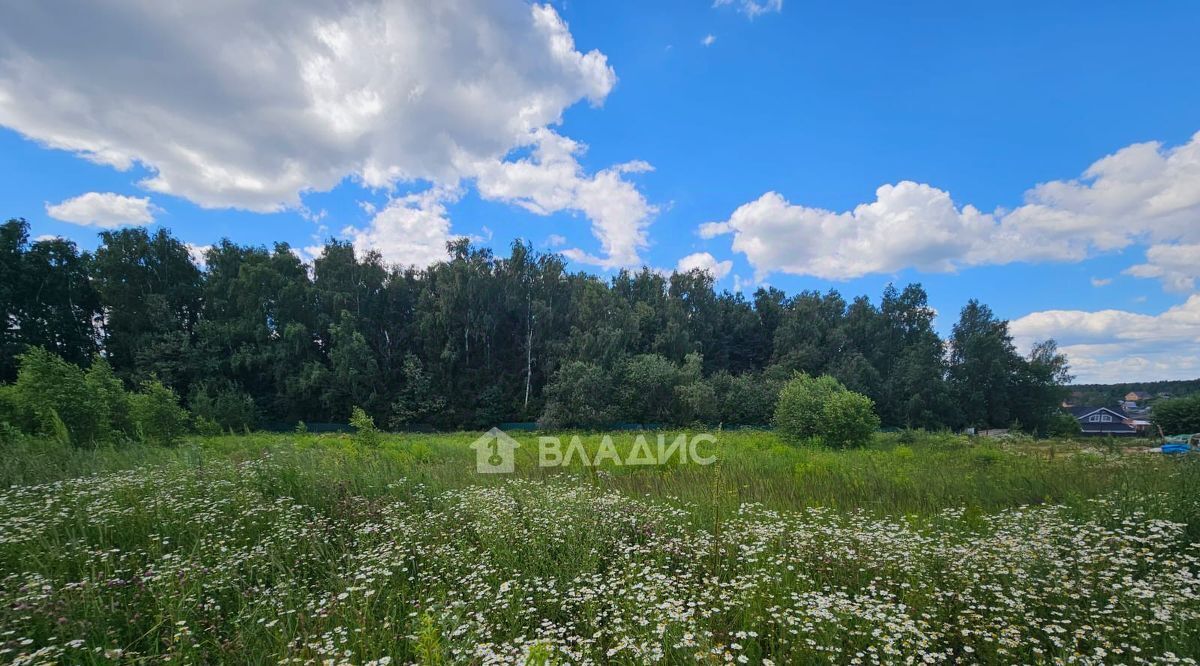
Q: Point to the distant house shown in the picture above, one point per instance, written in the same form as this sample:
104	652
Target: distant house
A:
1103	421
1137	396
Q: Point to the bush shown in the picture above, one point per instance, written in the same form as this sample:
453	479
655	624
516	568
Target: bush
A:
798	412
365	432
697	403
108	393
53	396
156	414
416	401
646	389
580	396
750	399
1178	416
206	426
12	409
847	419
821	407
225	405
1063	424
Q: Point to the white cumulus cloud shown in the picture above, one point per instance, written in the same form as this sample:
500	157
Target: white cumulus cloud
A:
250	104
1178	266
106	210
1116	345
409	231
705	262
1143	193
551	180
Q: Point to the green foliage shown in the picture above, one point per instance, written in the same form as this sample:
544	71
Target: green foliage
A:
223	404
57	396
1178	415
151	293
365	432
1063	425
798	415
108	392
697	402
847	419
821	407
46	298
206	426
429	643
647	385
157	417
314	516
415	401
580	396
480	338
14	413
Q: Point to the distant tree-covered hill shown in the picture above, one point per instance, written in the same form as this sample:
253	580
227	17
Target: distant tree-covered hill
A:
1109	394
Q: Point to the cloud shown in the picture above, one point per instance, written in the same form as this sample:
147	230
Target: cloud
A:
1176	265
253	105
106	210
409	231
705	262
199	254
1117	346
752	8
551	180
555	240
708	40
1101	282
1143	193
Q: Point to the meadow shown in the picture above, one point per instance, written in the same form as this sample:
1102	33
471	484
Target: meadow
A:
321	549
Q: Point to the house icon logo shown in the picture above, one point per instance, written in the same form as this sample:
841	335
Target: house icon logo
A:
494	452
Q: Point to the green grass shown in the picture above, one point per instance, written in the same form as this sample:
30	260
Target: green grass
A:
263	548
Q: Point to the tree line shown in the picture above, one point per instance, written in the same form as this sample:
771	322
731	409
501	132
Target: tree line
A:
258	335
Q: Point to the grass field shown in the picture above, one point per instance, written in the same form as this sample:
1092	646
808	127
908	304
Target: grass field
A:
921	548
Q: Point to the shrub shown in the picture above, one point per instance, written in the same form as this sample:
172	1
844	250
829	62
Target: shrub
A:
206	426
54	396
646	389
416	401
697	403
821	407
365	432
224	404
750	400
579	395
156	414
12	409
1063	424
847	419
1178	415
108	393
798	412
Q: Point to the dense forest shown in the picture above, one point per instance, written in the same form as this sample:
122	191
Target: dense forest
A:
259	336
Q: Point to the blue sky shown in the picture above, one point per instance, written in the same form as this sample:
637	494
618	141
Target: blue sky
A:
744	132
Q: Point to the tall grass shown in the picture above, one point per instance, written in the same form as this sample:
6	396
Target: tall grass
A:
314	549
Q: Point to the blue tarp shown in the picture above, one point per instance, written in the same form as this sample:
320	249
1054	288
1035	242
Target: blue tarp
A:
1176	448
